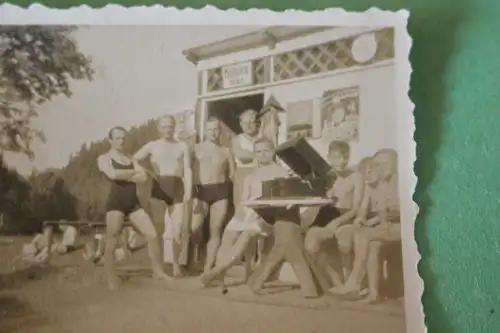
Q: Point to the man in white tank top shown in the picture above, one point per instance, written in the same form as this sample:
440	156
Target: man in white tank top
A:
172	184
242	145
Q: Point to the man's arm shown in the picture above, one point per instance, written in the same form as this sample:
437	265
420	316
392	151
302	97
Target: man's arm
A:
232	164
143	152
240	153
188	171
105	166
359	189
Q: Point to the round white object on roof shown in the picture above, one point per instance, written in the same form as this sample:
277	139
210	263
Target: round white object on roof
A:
364	48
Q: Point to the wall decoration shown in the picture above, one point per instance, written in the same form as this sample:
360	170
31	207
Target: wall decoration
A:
300	119
340	114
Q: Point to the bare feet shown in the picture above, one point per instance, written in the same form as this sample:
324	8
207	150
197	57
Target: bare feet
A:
209	277
178	271
338	289
369	299
162	276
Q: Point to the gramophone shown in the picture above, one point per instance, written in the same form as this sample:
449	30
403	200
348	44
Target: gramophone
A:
313	175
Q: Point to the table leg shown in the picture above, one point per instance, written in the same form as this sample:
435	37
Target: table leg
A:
267	266
287	246
296	255
185	236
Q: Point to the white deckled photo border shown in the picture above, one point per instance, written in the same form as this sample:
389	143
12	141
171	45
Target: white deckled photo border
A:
210	15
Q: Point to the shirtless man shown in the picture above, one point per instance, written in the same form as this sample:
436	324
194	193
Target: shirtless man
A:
173	183
336	221
213	170
123	201
384	227
247	225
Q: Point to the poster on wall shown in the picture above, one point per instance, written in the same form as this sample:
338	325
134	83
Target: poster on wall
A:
300	119
340	114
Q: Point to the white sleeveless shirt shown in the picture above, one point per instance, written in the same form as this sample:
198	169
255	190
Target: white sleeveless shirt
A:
246	143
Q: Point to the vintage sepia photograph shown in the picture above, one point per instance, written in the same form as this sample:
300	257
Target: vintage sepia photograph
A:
207	177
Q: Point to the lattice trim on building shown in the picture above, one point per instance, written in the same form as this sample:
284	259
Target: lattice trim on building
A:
316	59
329	56
214	79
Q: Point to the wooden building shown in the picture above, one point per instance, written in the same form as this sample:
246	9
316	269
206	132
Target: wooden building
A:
333	83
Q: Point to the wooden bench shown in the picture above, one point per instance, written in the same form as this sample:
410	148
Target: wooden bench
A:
391	284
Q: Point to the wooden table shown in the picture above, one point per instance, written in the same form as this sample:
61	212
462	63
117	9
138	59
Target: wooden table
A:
303	202
289	246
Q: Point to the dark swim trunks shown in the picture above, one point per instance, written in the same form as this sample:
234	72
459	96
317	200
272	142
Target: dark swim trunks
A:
211	193
123	194
169	189
280	214
326	214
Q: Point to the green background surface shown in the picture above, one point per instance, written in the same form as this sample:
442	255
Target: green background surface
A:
456	87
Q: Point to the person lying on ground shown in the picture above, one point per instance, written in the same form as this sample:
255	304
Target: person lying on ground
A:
37	250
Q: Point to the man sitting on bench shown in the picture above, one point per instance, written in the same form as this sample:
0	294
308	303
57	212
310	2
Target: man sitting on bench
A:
385	227
247	225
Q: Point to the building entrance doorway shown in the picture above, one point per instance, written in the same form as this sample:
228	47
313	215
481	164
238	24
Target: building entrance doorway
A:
228	110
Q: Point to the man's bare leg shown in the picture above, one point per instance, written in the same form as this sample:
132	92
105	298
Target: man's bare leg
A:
141	220
177	217
114	225
314	243
229	259
218	212
361	251
373	272
345	241
200	209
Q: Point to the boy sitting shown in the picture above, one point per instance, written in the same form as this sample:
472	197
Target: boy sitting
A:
335	221
382	194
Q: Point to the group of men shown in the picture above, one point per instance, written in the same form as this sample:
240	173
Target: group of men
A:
364	214
175	184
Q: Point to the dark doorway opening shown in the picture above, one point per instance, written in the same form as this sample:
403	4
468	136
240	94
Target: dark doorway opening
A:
228	110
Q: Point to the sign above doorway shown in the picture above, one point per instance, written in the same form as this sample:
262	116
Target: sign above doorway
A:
237	75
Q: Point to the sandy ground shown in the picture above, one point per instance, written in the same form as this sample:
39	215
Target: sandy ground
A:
71	296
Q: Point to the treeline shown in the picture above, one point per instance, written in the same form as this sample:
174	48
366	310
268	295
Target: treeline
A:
15	201
76	191
86	184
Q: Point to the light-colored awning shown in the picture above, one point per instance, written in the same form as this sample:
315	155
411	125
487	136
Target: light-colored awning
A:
269	36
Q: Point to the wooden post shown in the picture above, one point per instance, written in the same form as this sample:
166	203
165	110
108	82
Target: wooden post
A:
48	233
185	233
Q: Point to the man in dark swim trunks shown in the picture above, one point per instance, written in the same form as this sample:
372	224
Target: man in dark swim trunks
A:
213	170
171	161
123	201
